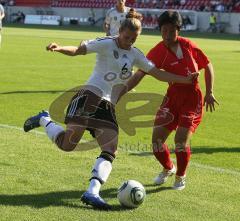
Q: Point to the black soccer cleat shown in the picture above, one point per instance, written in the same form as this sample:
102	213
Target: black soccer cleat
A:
33	122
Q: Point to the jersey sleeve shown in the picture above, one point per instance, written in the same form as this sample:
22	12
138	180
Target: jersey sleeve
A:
142	62
154	55
97	45
199	56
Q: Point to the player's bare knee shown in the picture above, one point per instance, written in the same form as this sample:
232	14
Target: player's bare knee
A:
63	145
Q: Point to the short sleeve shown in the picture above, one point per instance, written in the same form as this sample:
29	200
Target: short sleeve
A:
154	55
97	45
199	56
142	62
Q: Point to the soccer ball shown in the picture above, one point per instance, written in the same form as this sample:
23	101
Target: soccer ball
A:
131	194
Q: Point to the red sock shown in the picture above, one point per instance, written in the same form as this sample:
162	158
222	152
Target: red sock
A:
183	157
163	156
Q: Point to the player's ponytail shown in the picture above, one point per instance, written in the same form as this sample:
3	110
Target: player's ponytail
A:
134	14
132	21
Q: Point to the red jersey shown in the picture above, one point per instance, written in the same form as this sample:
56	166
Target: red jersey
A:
183	104
193	58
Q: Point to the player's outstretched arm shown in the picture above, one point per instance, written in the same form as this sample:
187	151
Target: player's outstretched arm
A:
135	80
67	50
168	77
209	99
132	82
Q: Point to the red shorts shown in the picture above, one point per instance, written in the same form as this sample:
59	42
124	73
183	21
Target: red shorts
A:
182	107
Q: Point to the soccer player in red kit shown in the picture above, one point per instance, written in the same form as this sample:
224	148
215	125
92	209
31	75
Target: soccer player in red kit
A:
182	107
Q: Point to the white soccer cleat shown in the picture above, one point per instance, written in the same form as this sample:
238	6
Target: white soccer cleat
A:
180	183
163	176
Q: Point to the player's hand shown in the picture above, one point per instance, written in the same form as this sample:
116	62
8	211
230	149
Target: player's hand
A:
193	77
53	47
209	102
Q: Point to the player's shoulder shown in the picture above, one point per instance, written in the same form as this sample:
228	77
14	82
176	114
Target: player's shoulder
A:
105	38
159	47
137	51
186	42
111	11
100	41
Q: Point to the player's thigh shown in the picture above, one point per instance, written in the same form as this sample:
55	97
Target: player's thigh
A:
191	112
107	139
73	134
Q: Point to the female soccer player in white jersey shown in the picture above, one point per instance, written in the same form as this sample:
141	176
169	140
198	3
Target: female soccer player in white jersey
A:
92	108
114	17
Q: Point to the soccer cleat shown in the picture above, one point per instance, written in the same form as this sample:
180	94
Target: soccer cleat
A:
33	122
163	176
180	183
95	201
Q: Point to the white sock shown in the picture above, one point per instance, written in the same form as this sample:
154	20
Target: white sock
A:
101	171
94	186
44	121
51	128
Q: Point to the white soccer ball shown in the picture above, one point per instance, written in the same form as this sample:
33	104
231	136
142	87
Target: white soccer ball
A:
131	194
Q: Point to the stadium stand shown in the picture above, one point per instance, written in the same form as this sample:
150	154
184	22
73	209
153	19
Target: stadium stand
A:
40	3
198	5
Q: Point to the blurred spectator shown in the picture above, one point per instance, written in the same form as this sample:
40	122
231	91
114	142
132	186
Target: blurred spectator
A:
220	7
176	2
202	7
114	17
20	17
182	2
92	16
186	21
212	23
11	3
3	2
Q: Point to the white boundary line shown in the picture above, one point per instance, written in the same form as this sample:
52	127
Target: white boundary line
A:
20	129
197	165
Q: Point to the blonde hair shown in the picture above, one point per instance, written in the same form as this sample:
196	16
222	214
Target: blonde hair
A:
132	21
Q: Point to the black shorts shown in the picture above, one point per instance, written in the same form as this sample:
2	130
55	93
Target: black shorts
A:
91	111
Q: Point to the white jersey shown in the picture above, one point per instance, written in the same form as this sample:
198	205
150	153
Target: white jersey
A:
1	13
114	19
113	67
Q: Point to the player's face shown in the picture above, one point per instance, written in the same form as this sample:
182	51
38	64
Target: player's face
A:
169	34
121	2
127	38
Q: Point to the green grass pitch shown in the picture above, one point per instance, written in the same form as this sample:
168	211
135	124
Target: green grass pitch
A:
39	182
